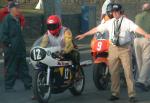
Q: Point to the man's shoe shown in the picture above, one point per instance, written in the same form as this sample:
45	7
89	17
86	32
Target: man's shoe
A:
141	87
132	100
113	98
10	90
33	98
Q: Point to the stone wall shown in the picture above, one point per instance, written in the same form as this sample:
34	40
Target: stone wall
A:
132	7
32	29
33	22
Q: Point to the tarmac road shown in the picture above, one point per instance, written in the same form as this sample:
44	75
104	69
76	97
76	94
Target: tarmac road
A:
90	94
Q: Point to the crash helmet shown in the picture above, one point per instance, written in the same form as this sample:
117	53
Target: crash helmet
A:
109	10
54	25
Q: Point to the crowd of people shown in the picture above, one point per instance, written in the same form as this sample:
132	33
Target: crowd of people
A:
114	21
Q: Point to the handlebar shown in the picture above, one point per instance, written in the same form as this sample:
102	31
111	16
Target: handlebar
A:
57	55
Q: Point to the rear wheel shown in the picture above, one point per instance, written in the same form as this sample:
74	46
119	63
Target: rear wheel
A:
41	91
79	83
101	76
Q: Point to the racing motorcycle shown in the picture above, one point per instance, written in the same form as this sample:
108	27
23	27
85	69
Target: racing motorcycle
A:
99	51
53	74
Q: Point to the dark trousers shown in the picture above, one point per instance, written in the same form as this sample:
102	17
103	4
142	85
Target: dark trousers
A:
74	55
14	65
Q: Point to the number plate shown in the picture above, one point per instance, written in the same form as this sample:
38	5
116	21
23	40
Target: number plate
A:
38	54
99	45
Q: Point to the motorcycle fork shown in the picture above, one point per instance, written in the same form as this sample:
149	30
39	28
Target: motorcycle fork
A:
48	76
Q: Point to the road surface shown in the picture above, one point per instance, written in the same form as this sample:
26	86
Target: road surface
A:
90	94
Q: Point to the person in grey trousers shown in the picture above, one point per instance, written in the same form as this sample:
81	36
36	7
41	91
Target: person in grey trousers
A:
142	49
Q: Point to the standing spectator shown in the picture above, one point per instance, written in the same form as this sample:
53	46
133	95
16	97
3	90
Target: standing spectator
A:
119	29
5	11
14	49
142	48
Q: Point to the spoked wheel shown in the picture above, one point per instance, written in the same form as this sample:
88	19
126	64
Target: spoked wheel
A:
79	83
41	91
101	76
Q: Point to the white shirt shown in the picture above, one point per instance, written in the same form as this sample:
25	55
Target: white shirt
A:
104	7
126	29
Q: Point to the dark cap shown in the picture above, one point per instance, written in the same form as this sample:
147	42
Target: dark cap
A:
116	7
13	4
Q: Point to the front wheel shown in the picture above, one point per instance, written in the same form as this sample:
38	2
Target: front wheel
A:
41	91
79	83
101	76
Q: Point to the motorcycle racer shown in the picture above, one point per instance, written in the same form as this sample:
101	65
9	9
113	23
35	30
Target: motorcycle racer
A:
58	35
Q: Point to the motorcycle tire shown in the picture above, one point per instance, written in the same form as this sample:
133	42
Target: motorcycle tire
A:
78	86
41	98
101	80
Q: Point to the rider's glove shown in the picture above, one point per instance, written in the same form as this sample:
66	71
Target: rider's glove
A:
59	54
62	52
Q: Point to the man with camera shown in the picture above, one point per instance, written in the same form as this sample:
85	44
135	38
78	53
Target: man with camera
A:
120	31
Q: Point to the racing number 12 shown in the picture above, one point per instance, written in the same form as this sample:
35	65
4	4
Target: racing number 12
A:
99	46
36	54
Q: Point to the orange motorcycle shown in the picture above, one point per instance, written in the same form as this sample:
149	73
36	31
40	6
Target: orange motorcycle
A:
99	51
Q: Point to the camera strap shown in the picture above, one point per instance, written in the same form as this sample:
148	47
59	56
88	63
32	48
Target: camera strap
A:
117	31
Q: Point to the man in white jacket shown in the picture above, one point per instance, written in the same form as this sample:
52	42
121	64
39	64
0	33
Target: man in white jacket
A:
120	29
